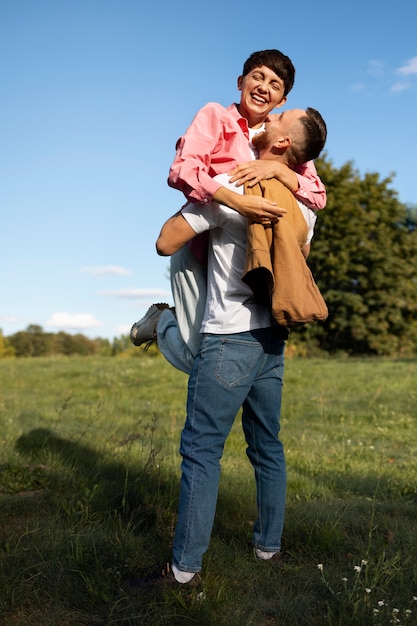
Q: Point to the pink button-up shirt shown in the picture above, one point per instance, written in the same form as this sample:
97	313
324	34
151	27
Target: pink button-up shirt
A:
215	142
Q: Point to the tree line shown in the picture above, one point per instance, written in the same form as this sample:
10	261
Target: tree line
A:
363	258
33	342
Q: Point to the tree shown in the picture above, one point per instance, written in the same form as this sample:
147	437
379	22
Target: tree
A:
6	349
31	342
363	259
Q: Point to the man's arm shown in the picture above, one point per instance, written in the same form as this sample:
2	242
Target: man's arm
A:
175	233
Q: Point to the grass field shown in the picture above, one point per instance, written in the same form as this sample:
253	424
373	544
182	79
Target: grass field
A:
89	486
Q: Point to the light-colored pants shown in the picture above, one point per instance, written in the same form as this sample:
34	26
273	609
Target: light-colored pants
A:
179	335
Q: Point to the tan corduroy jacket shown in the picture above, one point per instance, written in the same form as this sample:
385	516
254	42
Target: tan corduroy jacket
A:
276	269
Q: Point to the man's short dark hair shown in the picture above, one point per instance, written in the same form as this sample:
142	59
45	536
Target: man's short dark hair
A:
277	62
315	135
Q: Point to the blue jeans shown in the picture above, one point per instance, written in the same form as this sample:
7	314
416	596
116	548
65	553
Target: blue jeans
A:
171	344
231	371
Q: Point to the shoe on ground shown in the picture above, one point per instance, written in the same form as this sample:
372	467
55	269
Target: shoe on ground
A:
160	577
277	559
144	331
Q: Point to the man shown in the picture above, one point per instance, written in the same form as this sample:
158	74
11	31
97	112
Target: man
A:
288	138
240	363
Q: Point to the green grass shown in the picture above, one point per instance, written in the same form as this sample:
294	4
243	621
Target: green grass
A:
89	487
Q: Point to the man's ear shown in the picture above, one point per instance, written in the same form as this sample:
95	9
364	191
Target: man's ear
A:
283	142
239	83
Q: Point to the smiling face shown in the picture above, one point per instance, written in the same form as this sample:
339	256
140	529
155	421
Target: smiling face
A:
262	91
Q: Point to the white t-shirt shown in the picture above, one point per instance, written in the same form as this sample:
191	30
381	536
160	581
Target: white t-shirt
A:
230	307
310	217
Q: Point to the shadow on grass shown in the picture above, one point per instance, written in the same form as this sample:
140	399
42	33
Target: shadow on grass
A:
74	522
85	480
108	519
98	520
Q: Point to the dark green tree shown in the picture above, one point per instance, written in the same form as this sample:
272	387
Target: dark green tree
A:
364	260
31	342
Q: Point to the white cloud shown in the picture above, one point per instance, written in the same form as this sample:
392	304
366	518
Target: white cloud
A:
8	318
102	270
133	292
73	321
409	68
400	86
377	70
376	67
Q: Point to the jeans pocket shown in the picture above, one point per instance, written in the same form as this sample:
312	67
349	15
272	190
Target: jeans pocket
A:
236	360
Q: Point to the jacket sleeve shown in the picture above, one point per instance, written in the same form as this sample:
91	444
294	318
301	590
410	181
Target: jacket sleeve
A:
311	190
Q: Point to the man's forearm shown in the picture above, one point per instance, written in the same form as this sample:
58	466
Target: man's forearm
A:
175	233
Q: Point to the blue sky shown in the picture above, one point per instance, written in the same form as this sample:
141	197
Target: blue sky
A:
95	93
